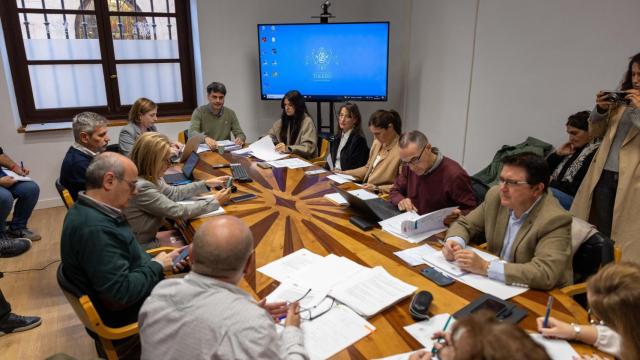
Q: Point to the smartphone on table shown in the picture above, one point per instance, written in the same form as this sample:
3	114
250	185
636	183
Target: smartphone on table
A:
243	197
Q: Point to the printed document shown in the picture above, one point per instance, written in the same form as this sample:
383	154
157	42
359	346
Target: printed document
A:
283	268
556	348
264	149
291	292
424	330
16	176
327	272
360	193
341	178
291	163
413	256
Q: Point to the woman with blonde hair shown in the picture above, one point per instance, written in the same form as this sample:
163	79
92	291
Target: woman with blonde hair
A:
155	200
142	118
613	295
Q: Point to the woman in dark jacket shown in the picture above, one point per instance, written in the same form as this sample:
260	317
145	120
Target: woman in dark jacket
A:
349	148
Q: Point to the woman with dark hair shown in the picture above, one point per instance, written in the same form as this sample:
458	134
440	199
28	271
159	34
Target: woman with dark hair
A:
609	196
383	164
569	163
349	148
295	132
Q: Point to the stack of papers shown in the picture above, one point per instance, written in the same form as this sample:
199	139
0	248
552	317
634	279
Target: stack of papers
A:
480	282
361	193
414	228
282	268
264	149
423	331
242	152
341	178
292	163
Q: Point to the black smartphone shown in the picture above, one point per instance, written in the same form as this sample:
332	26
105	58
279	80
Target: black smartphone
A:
244	197
183	255
437	277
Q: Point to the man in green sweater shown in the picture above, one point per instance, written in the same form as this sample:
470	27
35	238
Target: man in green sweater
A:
99	252
214	120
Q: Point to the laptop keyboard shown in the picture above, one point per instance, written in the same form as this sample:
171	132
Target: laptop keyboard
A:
240	173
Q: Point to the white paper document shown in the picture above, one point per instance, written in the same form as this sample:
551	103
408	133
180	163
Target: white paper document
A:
424	330
341	178
413	227
333	332
225	143
292	163
360	193
556	348
413	256
283	268
202	148
327	272
337	198
371	290
16	176
264	149
242	152
216	212
291	292
315	172
450	267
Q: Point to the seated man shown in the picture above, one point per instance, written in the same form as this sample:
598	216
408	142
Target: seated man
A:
429	181
10	322
99	252
214	120
16	239
90	135
205	315
523	224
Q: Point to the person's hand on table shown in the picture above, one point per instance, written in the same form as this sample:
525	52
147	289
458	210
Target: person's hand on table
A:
565	149
7	181
370	187
239	141
293	315
276	309
420	355
450	248
406	205
223	196
455	214
212	144
216	181
557	329
470	261
281	148
633	95
602	101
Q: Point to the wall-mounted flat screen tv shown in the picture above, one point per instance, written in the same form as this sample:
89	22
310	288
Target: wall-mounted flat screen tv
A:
325	62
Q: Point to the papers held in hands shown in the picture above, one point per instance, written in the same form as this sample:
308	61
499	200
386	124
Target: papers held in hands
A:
415	228
16	176
264	149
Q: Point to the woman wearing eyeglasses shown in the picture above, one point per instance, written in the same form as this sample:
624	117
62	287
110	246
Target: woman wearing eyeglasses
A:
613	295
155	200
295	132
349	148
383	164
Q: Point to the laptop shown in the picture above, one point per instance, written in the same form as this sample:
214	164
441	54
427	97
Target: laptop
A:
373	209
191	146
187	171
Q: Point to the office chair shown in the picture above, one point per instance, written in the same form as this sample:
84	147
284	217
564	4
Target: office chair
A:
321	160
64	194
183	136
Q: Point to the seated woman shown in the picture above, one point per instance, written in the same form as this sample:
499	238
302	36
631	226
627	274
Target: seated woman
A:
155	200
613	294
383	165
570	162
349	148
295	132
142	118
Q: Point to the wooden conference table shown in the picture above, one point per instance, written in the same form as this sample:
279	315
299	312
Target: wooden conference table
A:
290	213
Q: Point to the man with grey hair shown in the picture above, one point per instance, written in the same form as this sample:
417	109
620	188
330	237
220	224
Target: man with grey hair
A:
429	181
100	254
90	136
205	315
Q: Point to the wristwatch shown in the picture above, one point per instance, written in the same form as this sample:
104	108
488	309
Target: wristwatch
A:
576	330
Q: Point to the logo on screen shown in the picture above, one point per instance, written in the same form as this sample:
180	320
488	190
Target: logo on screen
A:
322	59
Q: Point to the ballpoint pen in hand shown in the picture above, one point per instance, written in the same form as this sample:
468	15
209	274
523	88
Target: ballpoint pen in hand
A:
439	339
545	323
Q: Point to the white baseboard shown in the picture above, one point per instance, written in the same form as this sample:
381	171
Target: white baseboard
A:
49	203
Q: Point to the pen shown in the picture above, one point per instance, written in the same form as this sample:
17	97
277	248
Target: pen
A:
433	349
545	323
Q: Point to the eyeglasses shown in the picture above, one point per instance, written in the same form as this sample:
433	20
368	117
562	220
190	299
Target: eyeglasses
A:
307	313
511	182
593	319
415	159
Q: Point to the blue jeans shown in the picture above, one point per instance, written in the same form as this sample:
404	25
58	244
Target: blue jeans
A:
27	193
565	199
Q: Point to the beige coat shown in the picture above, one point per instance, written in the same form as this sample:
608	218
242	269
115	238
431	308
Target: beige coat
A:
306	144
541	251
625	228
384	174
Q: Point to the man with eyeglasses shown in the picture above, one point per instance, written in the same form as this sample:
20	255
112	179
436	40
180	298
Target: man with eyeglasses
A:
100	254
524	225
206	315
429	181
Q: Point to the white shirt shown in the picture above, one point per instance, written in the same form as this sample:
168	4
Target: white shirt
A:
343	142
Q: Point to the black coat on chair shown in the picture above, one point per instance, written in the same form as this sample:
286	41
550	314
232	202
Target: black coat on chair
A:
354	154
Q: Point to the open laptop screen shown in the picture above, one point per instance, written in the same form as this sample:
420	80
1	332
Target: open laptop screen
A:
190	164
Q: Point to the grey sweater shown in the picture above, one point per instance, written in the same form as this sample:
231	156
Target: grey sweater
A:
153	203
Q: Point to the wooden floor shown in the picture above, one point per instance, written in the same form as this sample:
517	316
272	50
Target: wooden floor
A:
37	293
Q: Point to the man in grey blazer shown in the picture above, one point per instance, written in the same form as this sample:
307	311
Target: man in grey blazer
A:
524	225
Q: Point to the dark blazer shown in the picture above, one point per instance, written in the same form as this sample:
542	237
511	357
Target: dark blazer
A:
354	154
73	169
